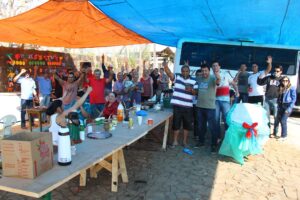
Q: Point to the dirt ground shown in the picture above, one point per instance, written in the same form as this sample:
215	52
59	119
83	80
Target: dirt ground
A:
174	175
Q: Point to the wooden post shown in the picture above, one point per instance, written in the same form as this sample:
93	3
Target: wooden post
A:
114	174
164	146
93	173
123	169
82	181
40	121
29	120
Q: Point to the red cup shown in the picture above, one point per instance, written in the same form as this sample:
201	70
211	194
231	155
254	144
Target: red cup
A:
150	122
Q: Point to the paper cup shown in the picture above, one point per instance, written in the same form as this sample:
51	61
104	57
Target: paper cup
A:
150	122
140	120
97	120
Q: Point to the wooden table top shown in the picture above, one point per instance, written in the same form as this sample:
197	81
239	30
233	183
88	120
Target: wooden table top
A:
88	153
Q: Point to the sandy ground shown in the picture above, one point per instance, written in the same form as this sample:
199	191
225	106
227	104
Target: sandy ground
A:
174	175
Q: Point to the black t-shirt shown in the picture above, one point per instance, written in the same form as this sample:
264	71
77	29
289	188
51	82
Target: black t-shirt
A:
272	82
154	78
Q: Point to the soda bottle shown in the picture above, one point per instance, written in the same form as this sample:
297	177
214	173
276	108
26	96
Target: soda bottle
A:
82	132
130	123
120	112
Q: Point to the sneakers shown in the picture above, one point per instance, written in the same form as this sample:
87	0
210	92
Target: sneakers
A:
175	144
23	126
281	139
272	136
196	138
198	145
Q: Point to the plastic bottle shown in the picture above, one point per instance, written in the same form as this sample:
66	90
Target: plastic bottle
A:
120	112
130	123
82	132
134	103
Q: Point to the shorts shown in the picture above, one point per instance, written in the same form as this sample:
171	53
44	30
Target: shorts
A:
182	115
256	100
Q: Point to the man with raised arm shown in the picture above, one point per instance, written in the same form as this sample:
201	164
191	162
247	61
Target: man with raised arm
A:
70	88
27	93
106	73
272	90
97	96
182	101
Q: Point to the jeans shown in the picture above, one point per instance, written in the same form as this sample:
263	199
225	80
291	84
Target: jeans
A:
44	101
68	106
271	104
243	97
97	109
282	119
221	107
196	133
207	116
25	104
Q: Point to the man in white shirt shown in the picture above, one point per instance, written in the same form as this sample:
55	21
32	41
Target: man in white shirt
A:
256	92
223	96
27	93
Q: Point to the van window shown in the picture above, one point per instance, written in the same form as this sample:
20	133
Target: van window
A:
231	56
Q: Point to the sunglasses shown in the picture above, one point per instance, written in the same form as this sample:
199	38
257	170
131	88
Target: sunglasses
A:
285	80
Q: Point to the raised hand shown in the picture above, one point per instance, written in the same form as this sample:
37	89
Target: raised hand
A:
89	89
269	59
23	71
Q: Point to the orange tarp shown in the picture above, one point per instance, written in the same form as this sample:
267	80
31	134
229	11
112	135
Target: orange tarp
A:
72	24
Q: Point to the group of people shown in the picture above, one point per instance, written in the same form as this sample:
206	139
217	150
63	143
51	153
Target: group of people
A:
103	99
198	103
206	99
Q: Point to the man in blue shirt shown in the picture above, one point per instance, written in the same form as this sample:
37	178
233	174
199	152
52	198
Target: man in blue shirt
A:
27	93
45	88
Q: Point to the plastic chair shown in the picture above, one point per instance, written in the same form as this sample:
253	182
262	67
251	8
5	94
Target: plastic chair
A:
7	122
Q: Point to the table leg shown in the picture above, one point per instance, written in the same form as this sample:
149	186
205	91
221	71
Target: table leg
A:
164	146
93	173
123	167
114	173
29	120
40	121
82	181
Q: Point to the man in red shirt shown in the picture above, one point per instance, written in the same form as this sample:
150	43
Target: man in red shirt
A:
97	96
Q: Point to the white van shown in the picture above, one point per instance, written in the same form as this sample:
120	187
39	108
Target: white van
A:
232	54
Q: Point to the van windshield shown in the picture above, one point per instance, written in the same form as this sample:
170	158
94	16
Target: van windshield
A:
231	56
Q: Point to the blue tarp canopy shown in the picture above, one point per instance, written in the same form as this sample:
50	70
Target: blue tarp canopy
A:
272	22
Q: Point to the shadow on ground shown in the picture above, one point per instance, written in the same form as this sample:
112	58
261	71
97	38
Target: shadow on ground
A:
153	174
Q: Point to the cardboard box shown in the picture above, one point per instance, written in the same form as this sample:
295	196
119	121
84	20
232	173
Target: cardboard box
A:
27	154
